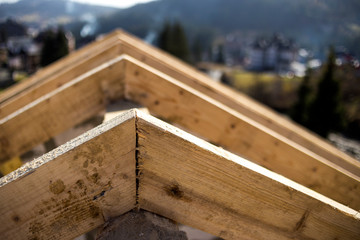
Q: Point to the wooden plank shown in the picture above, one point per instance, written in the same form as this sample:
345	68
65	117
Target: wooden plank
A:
74	188
59	66
181	105
235	100
182	72
195	183
61	109
55	81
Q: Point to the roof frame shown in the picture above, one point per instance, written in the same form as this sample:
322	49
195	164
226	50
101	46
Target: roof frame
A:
75	64
180	104
179	176
74	188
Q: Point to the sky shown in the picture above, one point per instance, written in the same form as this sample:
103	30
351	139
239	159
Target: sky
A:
112	3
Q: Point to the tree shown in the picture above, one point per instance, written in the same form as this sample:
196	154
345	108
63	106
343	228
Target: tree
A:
326	112
225	79
300	110
63	47
55	46
181	47
172	39
220	58
165	38
197	50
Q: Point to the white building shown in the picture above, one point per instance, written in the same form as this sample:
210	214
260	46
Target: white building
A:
275	54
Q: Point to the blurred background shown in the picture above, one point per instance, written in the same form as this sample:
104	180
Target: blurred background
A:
299	57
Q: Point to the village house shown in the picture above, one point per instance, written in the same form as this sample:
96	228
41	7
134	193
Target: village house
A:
272	54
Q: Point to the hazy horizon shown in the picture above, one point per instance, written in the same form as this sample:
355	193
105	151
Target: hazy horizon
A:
108	3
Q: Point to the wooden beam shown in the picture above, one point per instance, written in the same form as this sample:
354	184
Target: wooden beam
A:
239	102
182	72
74	188
61	109
91	179
51	83
181	105
192	182
59	66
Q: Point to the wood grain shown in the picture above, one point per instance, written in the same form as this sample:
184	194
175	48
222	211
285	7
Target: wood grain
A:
69	67
61	109
190	181
181	105
80	185
57	80
58	66
238	101
74	188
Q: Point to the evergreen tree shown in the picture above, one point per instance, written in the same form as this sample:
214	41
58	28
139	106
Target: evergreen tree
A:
165	38
54	47
3	36
181	47
62	43
197	50
326	112
220	58
225	79
300	110
173	40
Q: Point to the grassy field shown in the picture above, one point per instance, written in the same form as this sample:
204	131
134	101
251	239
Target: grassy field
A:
18	77
272	89
278	92
244	80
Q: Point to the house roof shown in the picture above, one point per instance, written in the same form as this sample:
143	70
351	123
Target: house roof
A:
277	40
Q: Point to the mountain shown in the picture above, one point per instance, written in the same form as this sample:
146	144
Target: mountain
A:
11	28
311	22
40	13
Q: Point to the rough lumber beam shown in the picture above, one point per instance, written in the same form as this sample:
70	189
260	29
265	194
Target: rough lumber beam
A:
57	111
60	66
181	105
50	83
192	182
243	104
91	179
74	188
57	80
182	72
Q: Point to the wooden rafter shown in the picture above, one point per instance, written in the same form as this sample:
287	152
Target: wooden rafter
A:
74	188
179	104
120	42
191	181
182	105
81	184
59	67
239	102
61	109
